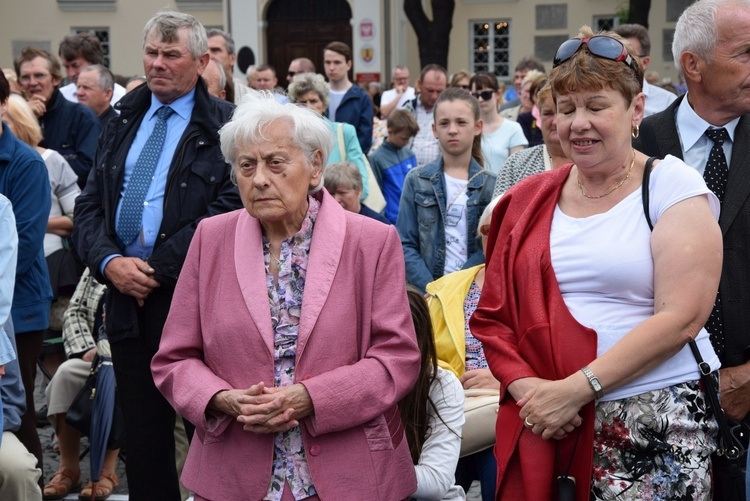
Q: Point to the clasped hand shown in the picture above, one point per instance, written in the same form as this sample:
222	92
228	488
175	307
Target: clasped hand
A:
131	276
479	378
266	410
551	407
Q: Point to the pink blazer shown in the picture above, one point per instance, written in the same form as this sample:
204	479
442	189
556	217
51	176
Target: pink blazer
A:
356	354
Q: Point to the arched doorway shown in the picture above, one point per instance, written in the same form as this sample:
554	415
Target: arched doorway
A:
301	28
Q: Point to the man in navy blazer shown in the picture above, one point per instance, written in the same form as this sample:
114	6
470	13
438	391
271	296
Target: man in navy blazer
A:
714	57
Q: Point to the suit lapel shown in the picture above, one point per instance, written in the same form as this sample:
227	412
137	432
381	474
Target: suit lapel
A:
738	185
251	275
666	133
325	255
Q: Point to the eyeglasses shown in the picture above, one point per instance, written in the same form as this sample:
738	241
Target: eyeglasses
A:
600	46
291	74
484	95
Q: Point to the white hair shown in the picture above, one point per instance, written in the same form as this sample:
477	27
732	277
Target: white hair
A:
696	30
259	109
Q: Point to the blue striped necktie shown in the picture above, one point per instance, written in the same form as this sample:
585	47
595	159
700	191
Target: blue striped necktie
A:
131	211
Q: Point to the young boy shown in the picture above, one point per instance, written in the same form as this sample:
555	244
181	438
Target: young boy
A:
393	160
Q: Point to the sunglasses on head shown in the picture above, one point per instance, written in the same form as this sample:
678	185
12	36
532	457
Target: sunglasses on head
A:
600	46
484	95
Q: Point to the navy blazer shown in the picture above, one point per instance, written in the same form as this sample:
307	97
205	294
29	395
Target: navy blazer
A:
658	137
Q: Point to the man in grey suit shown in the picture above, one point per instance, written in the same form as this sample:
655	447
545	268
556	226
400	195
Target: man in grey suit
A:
712	48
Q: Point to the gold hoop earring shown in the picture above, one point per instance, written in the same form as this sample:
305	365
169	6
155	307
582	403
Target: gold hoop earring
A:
635	131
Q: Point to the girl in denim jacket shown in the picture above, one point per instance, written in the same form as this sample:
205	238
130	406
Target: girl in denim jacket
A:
441	202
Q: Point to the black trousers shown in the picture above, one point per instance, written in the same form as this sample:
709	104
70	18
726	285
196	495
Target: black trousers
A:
29	345
149	424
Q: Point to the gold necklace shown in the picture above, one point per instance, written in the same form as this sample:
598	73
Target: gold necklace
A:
613	188
278	261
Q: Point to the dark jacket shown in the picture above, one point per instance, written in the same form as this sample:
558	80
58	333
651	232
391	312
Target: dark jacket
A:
368	212
25	182
356	109
108	115
71	129
198	186
531	129
658	137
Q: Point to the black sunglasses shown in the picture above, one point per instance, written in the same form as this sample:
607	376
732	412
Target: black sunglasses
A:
484	95
600	46
291	74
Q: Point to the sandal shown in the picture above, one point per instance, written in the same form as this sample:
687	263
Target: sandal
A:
68	481
102	490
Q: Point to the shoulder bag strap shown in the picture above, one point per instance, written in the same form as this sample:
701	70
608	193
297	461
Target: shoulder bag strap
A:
728	446
342	145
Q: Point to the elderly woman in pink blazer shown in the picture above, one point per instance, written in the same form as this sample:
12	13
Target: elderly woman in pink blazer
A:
289	341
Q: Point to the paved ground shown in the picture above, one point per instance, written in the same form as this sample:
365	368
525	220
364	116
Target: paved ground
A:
52	462
52	459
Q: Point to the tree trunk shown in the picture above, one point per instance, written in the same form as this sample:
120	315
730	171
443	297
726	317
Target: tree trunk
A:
433	37
638	12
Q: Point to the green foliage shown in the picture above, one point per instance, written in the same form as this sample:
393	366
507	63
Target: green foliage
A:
623	12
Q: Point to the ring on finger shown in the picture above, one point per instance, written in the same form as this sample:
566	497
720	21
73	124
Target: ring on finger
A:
527	422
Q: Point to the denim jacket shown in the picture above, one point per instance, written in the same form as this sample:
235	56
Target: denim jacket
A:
421	219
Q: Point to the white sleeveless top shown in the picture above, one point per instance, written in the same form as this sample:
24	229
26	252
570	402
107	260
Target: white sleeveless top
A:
605	269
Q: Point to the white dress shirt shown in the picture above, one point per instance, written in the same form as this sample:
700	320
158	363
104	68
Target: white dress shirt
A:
695	145
391	94
657	99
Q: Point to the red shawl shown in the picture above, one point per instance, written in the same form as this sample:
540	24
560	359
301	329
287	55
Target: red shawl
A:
527	331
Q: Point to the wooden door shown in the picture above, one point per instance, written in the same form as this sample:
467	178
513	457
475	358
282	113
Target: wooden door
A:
297	28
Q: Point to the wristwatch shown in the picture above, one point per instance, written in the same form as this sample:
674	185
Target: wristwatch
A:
593	381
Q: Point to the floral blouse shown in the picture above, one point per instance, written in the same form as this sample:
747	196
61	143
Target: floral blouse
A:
285	299
475	358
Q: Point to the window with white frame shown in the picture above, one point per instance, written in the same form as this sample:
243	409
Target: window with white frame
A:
605	23
490	46
103	35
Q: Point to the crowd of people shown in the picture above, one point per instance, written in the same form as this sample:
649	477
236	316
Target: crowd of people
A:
305	289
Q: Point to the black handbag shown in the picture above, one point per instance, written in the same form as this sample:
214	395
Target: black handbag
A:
730	449
79	413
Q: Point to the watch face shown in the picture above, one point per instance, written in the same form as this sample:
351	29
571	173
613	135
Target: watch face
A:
593	382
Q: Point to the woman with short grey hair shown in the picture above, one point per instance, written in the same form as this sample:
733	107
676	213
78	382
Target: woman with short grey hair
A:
249	123
311	90
304	83
344	182
290	402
